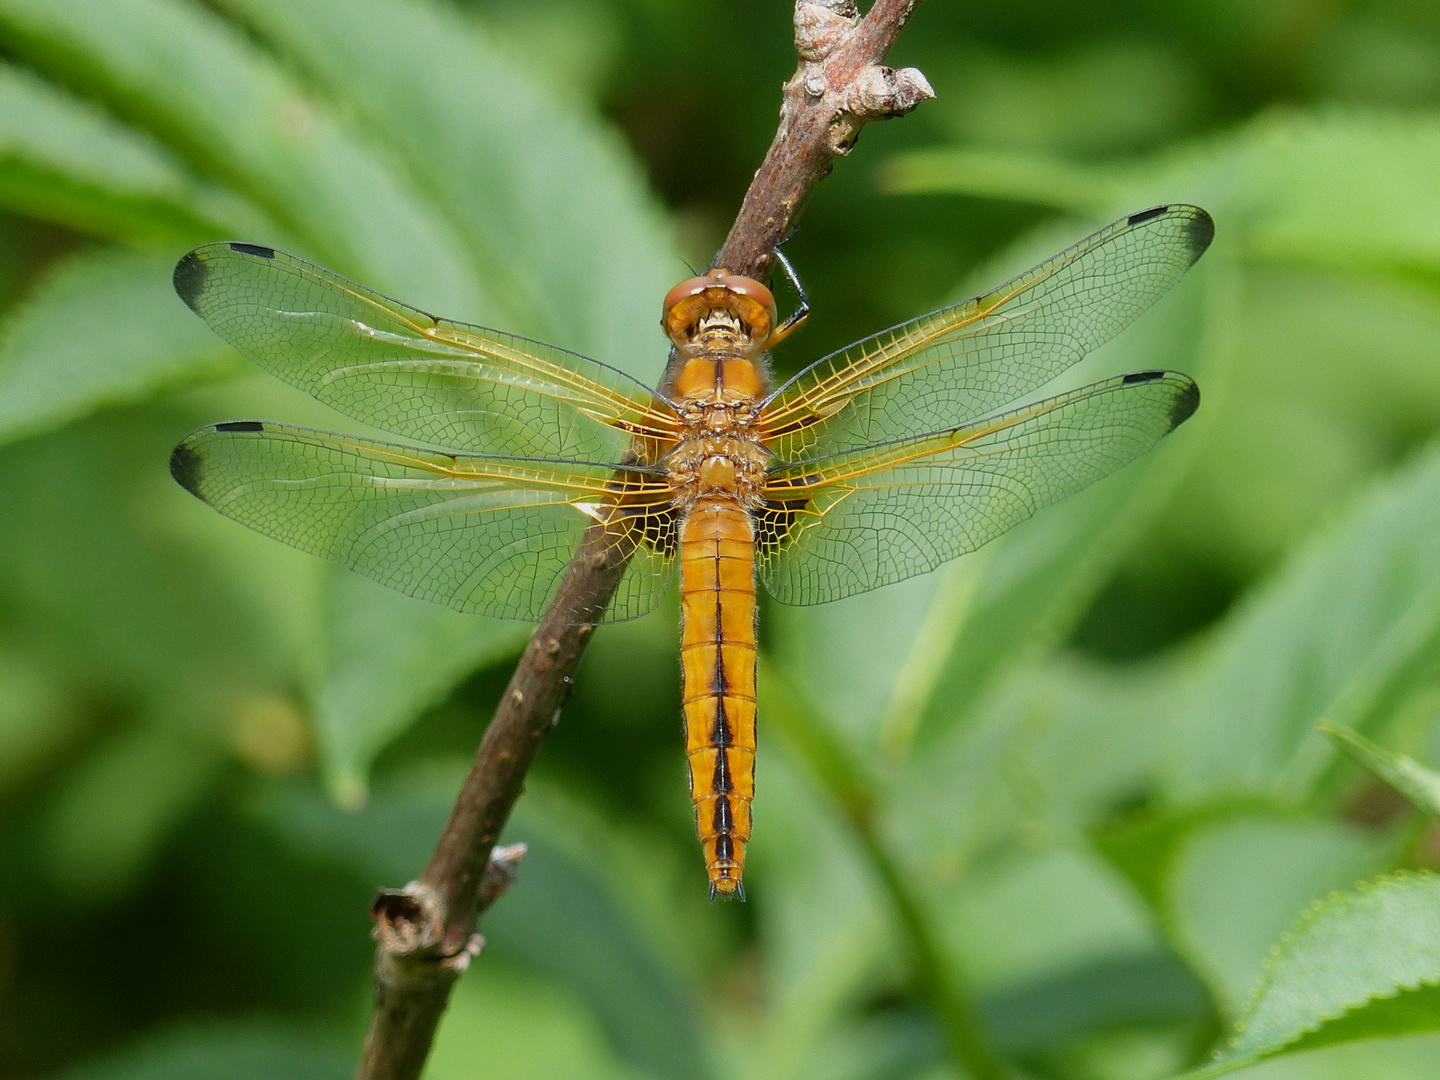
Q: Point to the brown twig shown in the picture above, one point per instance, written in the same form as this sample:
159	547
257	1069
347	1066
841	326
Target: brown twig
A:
426	931
839	86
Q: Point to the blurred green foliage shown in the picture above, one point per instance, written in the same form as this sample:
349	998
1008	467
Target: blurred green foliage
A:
1089	751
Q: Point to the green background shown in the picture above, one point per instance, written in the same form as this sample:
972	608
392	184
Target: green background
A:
1089	750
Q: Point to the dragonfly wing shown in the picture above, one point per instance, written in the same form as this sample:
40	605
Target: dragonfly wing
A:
484	535
407	372
841	525
965	361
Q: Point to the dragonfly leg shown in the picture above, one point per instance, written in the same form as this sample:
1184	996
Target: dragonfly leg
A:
798	316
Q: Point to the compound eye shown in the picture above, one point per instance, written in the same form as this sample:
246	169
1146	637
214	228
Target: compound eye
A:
750	287
684	306
686	289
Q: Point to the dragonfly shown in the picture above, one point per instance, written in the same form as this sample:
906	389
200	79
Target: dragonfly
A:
874	464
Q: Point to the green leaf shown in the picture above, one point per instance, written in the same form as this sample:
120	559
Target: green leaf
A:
385	659
93	567
573	45
564	918
1150	991
866	1046
826	928
538	1031
1410	1058
37	719
1091	743
851	657
1362	965
1233	886
111	814
119	607
1033	588
103	329
1051	933
66	161
1406	775
235	1050
1045	758
1318	398
549	201
1005	173
233	113
1344	630
1091	95
1349	188
1143	846
1037	915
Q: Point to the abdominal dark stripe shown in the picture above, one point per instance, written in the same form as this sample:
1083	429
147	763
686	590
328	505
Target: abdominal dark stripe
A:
721	782
720	735
717	684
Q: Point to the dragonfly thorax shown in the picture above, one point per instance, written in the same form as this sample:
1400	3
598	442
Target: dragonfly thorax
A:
717	411
718	388
708	464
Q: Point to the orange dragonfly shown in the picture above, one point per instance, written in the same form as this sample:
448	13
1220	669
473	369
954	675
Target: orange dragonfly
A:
873	464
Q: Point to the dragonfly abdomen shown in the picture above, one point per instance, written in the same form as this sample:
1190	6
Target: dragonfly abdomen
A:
717	664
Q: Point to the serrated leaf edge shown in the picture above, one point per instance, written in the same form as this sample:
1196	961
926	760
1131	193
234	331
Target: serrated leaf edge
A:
1334	902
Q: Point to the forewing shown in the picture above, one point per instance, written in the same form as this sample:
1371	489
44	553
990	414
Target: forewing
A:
410	373
484	535
962	362
836	526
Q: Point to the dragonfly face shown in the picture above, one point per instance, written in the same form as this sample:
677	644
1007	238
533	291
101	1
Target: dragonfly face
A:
874	464
719	309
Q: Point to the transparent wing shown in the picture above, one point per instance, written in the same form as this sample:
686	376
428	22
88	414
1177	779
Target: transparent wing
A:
484	535
962	362
406	372
836	526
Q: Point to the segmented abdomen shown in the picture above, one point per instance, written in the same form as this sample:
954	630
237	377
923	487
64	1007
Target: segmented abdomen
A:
717	664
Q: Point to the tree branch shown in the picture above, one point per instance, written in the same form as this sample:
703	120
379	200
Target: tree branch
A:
839	86
426	931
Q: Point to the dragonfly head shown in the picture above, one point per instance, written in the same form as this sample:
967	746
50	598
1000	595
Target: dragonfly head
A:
719	308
